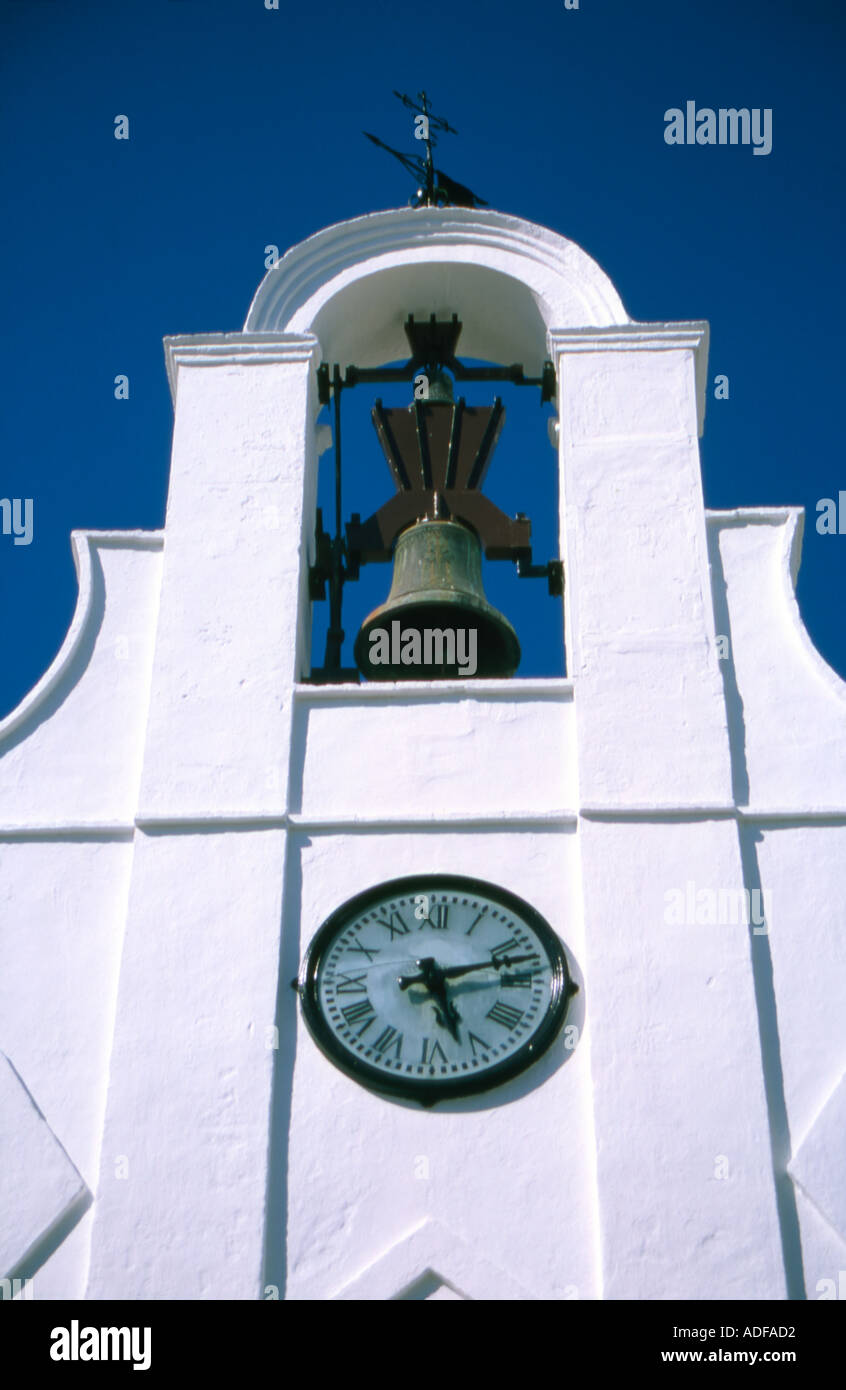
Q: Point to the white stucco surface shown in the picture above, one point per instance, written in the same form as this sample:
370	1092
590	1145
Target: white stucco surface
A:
677	1079
412	1269
71	751
515	1181
180	811
641	646
794	704
818	1164
359	761
823	1253
809	962
36	1168
197	996
226	652
62	909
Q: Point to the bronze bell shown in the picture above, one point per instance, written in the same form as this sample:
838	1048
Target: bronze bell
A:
438	388
436	623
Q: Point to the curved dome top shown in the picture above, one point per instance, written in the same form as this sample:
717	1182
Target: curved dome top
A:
509	281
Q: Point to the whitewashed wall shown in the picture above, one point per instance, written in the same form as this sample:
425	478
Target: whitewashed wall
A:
178	814
70	763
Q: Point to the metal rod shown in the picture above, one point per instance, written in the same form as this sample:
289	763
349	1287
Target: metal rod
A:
337	403
355	376
335	632
430	167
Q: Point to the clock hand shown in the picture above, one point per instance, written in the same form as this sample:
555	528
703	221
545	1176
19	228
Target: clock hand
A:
432	977
502	962
452	972
447	1015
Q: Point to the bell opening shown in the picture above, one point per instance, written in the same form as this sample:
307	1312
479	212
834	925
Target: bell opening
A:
426	484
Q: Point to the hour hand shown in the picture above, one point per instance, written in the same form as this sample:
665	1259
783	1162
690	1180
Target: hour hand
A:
432	977
446	1013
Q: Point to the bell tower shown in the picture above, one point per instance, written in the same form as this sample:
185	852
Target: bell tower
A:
399	1001
268	802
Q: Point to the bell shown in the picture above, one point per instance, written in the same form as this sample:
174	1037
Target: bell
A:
438	388
436	623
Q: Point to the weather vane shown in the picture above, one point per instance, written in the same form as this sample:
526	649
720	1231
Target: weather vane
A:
436	189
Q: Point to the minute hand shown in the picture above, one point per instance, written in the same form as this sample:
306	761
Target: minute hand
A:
453	972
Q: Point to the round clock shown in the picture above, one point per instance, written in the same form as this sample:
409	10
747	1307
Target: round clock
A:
434	986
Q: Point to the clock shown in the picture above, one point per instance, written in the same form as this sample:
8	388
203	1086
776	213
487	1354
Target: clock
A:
434	986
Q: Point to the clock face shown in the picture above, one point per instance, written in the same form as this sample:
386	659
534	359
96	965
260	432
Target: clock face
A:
434	986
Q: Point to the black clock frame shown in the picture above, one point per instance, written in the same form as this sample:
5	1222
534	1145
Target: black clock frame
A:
428	1091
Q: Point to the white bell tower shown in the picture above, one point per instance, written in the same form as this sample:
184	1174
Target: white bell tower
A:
227	807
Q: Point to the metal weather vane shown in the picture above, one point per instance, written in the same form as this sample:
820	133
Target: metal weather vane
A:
435	188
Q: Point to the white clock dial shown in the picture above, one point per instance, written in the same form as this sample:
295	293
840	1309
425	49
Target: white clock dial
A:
435	986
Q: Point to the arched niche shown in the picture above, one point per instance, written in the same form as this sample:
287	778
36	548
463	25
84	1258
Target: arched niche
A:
509	281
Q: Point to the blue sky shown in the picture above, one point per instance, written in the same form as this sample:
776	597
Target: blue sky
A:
245	130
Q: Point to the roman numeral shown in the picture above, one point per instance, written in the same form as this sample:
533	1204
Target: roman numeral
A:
389	1037
432	1052
399	930
521	980
475	924
505	948
352	984
438	917
363	1012
505	1015
483	1046
362	950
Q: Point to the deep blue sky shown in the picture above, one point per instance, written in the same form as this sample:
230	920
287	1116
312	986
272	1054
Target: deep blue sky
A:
245	130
